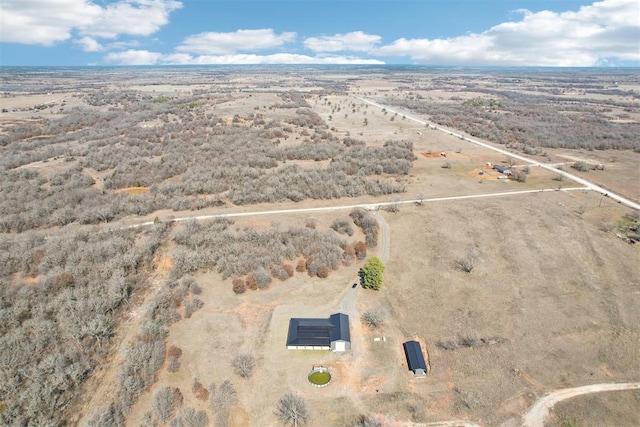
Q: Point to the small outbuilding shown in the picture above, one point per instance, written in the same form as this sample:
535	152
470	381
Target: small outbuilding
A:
320	334
415	358
502	169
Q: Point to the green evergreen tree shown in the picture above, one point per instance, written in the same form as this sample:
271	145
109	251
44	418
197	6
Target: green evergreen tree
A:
372	274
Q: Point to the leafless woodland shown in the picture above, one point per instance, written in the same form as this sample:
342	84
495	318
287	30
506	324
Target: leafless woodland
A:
69	169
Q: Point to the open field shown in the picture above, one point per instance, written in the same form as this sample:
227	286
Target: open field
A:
178	186
605	409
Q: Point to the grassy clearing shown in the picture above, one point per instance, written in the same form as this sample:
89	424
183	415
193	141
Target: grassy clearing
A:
319	377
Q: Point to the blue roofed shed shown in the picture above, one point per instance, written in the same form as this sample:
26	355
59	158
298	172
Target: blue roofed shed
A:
415	358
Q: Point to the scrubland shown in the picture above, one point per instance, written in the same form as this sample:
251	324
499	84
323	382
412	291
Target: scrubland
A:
183	321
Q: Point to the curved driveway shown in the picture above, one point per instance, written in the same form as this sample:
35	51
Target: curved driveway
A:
540	411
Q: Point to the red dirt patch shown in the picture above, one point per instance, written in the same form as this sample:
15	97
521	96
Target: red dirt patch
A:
238	417
164	264
26	280
133	190
431	155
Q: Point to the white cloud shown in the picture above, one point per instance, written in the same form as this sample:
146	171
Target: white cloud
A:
356	41
143	57
89	44
134	57
229	43
133	17
605	30
47	22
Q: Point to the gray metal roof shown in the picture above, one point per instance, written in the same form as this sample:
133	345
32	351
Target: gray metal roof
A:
415	359
318	332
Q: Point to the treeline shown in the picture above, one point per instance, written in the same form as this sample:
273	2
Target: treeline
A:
147	354
527	121
259	256
186	157
60	301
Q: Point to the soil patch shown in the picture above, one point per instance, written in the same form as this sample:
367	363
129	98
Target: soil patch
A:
133	190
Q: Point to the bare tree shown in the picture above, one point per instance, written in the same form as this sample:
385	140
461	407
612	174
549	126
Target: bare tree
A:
373	420
373	318
292	409
165	402
393	206
189	417
243	365
222	397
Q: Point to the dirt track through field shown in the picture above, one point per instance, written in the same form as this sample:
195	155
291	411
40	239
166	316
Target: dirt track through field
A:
368	206
540	411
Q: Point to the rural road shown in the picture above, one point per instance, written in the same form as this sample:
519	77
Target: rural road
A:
540	411
551	168
368	206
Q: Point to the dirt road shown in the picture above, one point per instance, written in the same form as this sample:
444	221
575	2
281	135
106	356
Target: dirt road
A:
368	206
540	411
590	185
384	237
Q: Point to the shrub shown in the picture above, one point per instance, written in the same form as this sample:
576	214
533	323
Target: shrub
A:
581	166
373	318
467	262
192	306
289	269
343	226
199	390
361	250
243	365
173	358
519	176
348	255
262	277
239	286
323	272
251	282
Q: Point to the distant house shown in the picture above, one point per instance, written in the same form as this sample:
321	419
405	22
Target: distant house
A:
415	358
320	334
502	169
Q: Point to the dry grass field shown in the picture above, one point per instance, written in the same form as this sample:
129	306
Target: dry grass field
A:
552	299
610	409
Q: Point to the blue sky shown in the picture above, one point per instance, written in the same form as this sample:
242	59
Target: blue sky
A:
431	32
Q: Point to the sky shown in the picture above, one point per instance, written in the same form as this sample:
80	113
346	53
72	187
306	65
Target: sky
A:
556	33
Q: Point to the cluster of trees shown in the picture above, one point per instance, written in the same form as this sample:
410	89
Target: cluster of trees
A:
147	354
60	301
528	121
187	158
368	224
253	258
